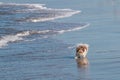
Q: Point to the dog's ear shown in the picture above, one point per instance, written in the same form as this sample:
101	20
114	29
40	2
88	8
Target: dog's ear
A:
78	48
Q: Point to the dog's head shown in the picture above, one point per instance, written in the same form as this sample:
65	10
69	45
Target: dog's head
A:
81	50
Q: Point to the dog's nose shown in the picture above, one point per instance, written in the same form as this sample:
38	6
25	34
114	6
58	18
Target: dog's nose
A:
80	51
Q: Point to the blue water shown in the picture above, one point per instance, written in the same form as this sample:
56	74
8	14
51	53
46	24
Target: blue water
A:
37	39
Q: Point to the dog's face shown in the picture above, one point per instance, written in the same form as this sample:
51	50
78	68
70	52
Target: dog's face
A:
81	50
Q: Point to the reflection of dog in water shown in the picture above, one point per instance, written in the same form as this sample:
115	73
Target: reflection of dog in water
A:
82	63
81	52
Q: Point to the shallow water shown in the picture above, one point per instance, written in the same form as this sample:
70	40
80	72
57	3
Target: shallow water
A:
31	49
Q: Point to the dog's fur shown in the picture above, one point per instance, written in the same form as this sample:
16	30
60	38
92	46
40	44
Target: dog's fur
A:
82	63
81	50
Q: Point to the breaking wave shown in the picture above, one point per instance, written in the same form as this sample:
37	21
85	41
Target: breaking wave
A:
73	29
12	31
4	40
33	12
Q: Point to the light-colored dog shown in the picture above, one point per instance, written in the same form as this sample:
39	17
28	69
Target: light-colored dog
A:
81	51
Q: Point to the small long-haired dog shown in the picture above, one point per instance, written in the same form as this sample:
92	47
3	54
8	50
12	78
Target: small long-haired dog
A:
81	51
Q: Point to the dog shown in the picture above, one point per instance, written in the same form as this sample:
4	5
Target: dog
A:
81	51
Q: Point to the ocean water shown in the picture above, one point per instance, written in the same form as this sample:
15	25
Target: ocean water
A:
38	39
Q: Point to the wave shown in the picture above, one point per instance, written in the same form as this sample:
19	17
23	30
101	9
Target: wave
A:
33	12
73	29
12	38
4	40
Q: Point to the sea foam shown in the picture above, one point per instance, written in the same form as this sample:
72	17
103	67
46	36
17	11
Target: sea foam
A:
73	29
4	40
34	12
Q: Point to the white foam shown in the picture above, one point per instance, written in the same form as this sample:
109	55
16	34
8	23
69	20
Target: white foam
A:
73	29
39	13
17	37
71	47
4	40
12	38
41	6
63	15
